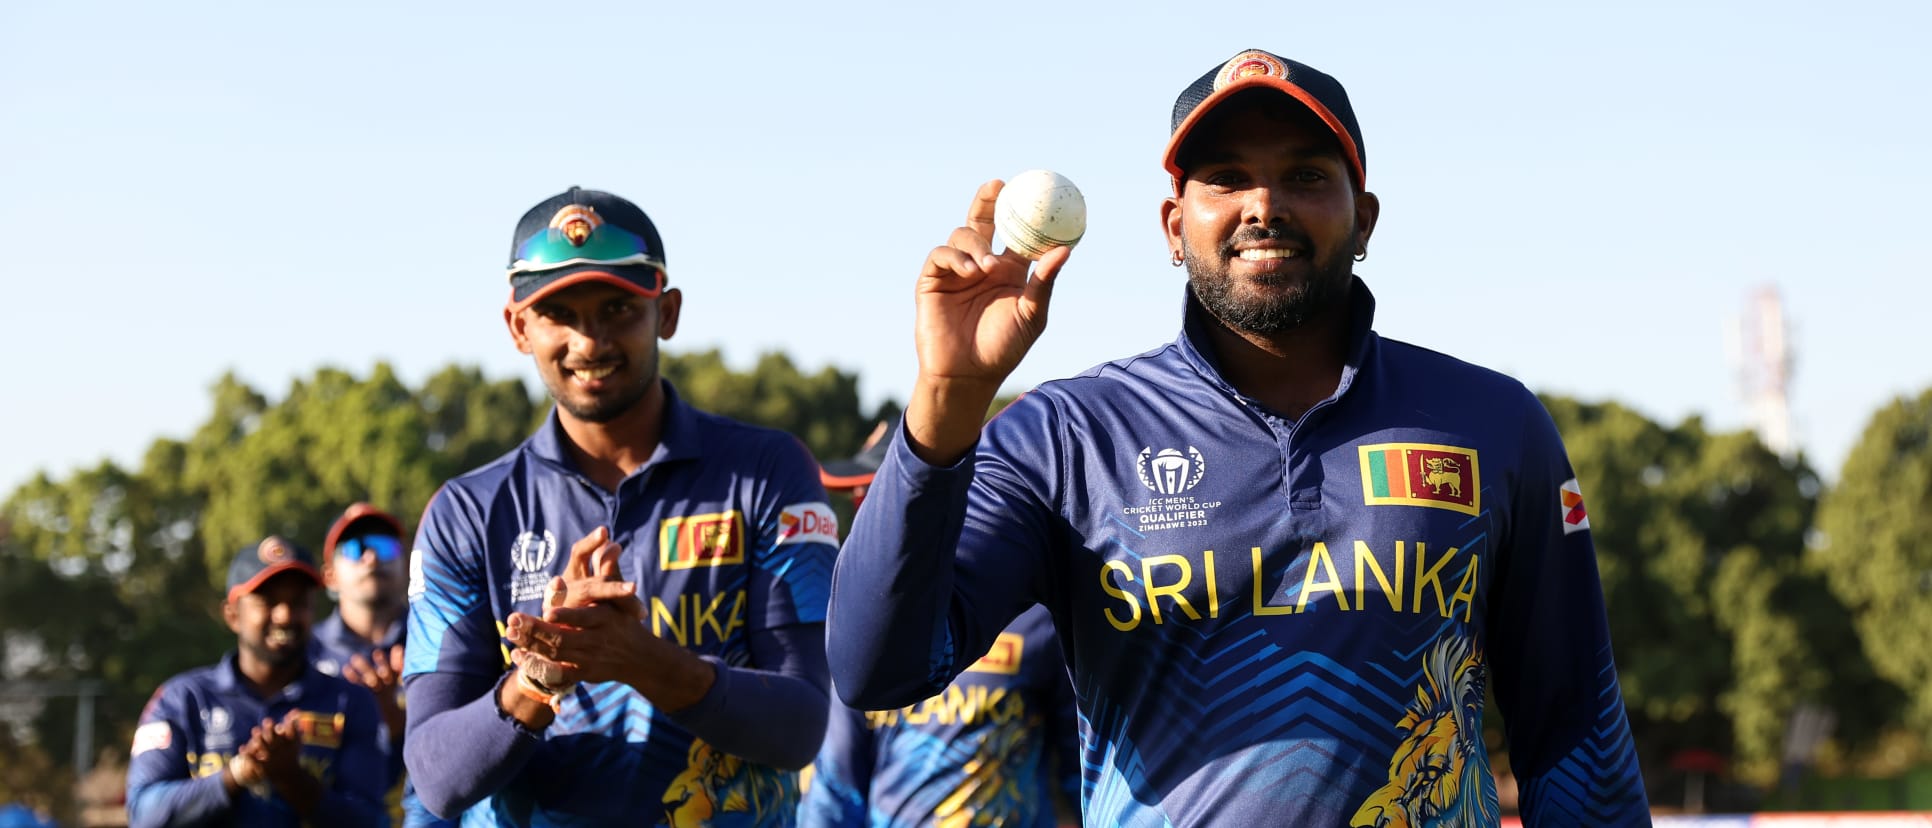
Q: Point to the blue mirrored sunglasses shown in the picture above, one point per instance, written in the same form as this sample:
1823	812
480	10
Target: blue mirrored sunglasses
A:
386	547
604	244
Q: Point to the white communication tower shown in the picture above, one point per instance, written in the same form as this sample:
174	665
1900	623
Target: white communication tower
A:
1761	346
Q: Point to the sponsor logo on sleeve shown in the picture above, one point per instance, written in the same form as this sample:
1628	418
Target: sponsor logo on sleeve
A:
152	736
1421	474
1575	519
808	523
716	539
1003	658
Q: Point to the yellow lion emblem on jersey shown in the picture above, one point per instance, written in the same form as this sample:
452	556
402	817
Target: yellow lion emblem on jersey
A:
1437	776
990	794
719	789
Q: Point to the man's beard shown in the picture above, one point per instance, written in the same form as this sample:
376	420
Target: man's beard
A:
1214	288
600	409
278	658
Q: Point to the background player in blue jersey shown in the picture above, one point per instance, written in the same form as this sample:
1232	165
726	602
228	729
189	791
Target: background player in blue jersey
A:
1289	557
996	748
260	738
669	667
365	568
365	565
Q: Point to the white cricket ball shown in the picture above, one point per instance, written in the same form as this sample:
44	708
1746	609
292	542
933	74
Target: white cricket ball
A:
1037	211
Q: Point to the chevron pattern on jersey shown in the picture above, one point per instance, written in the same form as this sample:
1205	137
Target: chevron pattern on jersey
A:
448	602
807	573
1574	791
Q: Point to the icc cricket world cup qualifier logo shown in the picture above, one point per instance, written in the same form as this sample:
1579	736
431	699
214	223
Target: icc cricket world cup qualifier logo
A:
1170	472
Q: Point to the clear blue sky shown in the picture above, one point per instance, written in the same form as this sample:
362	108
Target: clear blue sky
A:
1578	195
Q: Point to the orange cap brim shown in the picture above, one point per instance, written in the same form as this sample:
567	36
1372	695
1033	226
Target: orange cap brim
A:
580	277
1350	152
273	570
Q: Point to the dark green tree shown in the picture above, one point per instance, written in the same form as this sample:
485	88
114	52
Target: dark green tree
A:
821	409
115	575
1872	548
1719	630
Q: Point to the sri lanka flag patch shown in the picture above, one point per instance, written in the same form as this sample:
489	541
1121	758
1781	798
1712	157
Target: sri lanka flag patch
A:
1421	474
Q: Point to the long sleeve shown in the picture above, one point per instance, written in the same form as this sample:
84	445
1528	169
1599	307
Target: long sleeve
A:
773	713
1555	677
842	774
939	561
459	747
160	788
1062	761
772	710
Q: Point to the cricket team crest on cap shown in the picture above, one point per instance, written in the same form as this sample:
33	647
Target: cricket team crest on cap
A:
716	539
1247	65
1575	519
576	222
273	551
1421	474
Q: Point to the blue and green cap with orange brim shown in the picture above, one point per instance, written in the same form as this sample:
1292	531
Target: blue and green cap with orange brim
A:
582	236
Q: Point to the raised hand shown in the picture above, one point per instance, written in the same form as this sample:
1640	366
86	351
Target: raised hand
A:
381	672
977	315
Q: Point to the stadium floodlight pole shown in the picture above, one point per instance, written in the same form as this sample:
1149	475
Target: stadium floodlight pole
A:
84	692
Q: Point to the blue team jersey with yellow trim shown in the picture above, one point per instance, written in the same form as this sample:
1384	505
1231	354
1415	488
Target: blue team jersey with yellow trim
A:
994	749
196	722
1268	621
724	530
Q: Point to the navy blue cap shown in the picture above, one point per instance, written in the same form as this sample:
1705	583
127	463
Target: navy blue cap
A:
584	235
254	565
1257	69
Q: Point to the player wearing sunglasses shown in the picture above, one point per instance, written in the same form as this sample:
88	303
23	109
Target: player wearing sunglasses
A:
365	568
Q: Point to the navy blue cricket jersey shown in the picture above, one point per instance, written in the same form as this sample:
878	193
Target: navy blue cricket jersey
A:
726	532
196	721
331	646
994	749
1268	621
332	643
